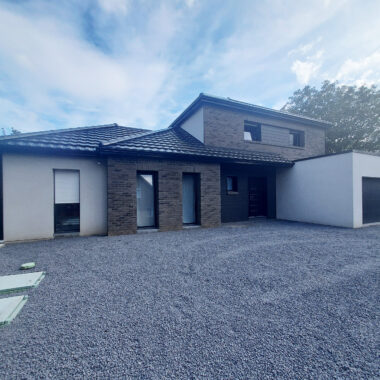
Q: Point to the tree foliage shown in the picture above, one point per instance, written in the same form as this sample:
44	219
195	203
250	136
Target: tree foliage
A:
354	112
10	131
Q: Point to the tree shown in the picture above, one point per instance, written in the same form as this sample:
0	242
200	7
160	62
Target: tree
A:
12	131
354	112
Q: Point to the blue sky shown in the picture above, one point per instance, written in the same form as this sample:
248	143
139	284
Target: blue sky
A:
140	63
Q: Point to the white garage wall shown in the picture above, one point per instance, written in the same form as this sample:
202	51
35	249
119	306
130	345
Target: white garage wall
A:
318	190
28	187
364	165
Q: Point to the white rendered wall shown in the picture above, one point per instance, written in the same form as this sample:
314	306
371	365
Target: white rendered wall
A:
194	125
28	191
318	190
364	165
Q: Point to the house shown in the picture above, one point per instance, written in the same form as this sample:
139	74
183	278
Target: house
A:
220	161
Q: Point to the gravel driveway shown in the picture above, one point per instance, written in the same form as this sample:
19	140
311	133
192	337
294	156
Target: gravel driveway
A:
261	300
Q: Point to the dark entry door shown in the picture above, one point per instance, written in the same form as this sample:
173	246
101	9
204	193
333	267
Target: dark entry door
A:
257	195
371	200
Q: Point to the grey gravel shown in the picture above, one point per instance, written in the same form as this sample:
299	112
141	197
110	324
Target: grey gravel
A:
261	300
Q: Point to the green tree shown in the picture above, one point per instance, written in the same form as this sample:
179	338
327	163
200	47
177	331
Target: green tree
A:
353	111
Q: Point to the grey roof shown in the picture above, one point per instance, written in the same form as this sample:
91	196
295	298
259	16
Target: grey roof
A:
85	139
178	142
115	139
206	99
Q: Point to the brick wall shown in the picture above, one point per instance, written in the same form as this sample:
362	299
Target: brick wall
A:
225	128
122	193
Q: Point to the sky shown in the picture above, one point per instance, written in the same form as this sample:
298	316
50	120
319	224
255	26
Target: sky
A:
73	63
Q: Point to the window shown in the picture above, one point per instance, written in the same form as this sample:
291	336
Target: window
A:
252	131
190	198
146	193
232	185
297	138
66	201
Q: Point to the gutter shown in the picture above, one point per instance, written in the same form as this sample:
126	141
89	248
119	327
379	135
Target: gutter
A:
188	157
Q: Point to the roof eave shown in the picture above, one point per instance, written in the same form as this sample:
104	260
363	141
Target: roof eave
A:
47	150
189	157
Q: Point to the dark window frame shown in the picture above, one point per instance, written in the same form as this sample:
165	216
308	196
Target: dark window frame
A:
234	189
155	185
298	138
254	129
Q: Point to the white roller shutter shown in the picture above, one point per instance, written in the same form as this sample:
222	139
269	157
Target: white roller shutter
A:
66	186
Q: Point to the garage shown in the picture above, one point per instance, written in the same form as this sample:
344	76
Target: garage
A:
338	190
371	200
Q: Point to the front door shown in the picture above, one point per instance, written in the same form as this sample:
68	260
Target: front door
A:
257	193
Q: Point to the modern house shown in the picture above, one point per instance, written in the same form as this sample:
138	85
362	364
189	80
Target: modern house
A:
220	161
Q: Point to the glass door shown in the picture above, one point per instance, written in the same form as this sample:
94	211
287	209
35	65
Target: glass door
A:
146	202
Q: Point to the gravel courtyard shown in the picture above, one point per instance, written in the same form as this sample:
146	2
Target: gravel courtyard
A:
261	300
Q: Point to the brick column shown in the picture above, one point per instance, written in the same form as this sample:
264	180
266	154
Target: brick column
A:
121	187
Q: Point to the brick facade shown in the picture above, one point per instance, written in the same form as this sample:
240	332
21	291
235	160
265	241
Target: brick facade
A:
122	173
225	128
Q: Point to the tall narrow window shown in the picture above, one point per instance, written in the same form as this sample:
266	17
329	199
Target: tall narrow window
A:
232	185
297	138
66	201
252	131
190	198
146	200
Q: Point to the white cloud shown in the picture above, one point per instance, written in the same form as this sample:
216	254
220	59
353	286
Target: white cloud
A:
245	58
364	71
307	69
59	74
304	49
190	3
139	63
114	6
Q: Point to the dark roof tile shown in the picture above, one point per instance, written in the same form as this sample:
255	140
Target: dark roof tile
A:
85	139
177	141
114	139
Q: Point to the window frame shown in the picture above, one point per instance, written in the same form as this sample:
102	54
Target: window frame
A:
154	175
248	126
57	206
301	138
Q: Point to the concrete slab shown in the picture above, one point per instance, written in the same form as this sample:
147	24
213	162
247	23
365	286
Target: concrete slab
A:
10	307
19	282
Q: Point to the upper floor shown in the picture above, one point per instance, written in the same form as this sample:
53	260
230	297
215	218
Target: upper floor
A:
231	124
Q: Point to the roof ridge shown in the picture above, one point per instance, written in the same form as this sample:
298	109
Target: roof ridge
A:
263	107
51	131
133	137
204	98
